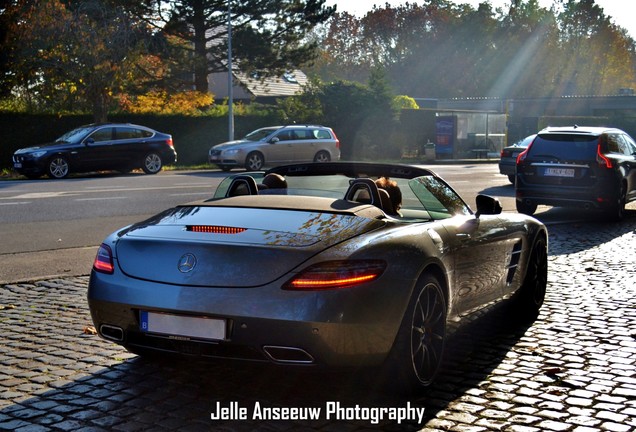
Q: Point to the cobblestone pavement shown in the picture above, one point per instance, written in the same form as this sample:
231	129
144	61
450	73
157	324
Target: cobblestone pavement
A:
573	369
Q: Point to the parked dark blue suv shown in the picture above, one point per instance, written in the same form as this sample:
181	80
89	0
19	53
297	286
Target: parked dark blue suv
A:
587	167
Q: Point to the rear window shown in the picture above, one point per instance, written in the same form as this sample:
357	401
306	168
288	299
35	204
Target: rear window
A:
565	146
321	134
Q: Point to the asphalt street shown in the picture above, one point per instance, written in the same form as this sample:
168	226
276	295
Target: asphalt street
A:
573	369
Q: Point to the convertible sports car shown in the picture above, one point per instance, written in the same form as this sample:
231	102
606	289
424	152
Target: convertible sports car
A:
321	269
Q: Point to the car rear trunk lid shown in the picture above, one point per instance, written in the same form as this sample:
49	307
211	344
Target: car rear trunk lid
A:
229	247
562	160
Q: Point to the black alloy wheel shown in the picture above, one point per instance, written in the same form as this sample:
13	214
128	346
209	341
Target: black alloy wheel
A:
417	354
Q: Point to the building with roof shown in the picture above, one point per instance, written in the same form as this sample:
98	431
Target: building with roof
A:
257	88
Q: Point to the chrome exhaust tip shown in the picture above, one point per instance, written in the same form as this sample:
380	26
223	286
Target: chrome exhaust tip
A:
111	332
282	354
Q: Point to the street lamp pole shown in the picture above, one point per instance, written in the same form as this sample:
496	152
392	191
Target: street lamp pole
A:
230	89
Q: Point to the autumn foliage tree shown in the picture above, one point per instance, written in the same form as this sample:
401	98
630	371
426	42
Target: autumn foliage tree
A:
268	36
72	56
444	49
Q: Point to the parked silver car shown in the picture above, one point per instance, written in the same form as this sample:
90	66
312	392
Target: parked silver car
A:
277	145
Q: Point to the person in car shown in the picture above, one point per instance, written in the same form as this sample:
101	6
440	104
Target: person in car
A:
273	183
395	195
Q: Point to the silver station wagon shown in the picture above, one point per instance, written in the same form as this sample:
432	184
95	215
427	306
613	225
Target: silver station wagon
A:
277	145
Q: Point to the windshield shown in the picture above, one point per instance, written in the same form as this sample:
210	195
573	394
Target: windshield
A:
76	135
259	134
423	198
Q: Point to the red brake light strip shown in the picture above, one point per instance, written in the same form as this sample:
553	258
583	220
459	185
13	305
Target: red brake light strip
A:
215	229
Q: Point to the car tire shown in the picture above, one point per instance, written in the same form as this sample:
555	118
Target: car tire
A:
511	178
526	208
152	163
322	156
254	161
416	356
58	167
616	212
530	296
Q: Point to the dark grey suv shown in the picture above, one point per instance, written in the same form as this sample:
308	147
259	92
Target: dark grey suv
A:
587	167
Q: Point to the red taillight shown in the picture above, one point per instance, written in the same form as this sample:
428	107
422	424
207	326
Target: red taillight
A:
522	156
506	153
104	260
336	274
169	142
602	160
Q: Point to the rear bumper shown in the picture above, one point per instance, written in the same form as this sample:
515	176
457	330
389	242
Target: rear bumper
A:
262	324
507	168
169	158
588	198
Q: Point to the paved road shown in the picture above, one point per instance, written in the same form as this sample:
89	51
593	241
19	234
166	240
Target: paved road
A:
573	369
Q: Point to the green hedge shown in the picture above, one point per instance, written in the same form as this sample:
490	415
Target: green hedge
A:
193	136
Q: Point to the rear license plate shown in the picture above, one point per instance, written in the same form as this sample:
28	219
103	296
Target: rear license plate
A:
183	326
559	172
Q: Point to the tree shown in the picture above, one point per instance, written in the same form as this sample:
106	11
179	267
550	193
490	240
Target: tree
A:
5	21
342	54
440	49
401	102
597	56
268	36
91	56
361	115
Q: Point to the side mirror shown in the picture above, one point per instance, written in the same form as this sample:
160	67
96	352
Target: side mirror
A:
89	141
487	205
274	140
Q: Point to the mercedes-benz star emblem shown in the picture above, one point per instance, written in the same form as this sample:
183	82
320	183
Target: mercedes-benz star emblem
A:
187	263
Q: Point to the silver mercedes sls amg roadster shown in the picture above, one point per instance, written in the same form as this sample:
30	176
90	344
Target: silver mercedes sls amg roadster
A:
332	264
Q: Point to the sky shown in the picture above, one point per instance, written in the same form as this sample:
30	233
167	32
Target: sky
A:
621	12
